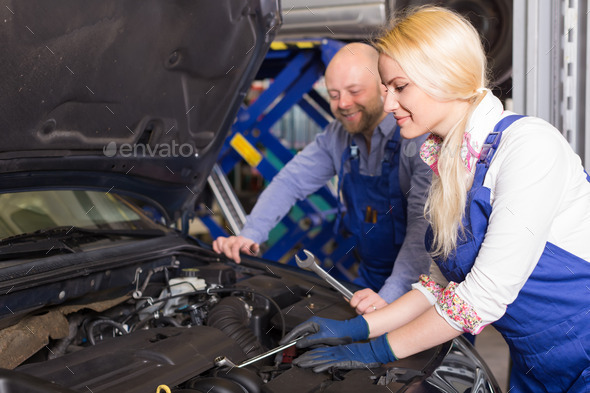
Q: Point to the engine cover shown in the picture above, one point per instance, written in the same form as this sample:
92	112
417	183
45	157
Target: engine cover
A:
140	361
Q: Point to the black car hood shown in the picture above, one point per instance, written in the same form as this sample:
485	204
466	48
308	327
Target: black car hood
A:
134	96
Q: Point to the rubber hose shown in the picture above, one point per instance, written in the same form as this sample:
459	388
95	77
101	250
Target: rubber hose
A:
109	322
169	320
242	376
214	385
61	346
231	317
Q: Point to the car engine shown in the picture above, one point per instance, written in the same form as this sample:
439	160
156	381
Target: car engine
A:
169	316
178	317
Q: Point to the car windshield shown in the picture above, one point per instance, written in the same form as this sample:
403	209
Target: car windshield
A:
27	212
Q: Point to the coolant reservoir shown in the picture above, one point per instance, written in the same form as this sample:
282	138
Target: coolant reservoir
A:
188	283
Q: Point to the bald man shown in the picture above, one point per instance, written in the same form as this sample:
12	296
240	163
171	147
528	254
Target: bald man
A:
382	180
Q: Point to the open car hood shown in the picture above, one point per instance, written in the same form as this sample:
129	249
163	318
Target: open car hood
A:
132	96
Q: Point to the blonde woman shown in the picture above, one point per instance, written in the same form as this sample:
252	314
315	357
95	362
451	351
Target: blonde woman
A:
509	209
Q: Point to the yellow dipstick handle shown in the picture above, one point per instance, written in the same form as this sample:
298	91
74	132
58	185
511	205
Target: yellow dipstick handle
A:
163	388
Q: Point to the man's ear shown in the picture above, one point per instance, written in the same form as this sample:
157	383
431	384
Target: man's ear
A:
383	91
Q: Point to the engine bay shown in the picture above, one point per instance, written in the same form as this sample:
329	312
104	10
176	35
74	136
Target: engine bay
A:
179	314
184	319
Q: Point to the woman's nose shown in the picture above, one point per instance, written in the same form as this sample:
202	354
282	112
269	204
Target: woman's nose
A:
390	104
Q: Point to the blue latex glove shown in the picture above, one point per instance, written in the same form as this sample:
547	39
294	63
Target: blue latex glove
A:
328	331
347	357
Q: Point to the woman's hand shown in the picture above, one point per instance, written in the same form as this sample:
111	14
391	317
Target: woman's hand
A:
347	357
366	301
328	331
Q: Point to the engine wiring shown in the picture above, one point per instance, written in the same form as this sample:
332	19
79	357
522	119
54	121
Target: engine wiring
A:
210	291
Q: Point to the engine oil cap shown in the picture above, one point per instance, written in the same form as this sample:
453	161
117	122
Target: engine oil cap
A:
189	272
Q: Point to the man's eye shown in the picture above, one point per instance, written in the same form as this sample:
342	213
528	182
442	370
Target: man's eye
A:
400	88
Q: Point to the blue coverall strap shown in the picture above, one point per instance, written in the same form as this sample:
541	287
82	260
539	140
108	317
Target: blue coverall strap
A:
350	153
392	146
493	139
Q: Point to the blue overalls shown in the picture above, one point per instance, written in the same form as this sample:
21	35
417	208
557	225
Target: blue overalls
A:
547	327
376	212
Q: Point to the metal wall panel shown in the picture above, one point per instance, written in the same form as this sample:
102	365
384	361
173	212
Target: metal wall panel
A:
550	60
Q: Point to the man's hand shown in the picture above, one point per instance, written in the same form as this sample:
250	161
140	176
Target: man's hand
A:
233	245
366	301
328	331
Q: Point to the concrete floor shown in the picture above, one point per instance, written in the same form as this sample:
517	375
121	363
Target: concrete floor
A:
494	350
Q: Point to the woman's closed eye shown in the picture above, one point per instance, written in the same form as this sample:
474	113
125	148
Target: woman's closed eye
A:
399	89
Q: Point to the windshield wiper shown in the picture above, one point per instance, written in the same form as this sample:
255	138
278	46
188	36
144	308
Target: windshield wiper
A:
70	232
38	249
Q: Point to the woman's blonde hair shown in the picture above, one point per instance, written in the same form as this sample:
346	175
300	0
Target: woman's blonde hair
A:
442	54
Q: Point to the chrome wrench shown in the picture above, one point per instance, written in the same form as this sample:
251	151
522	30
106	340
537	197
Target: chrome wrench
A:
310	263
222	361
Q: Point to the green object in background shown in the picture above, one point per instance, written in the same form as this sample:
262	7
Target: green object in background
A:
296	214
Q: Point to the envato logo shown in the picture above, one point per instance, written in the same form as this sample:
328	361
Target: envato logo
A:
410	149
164	150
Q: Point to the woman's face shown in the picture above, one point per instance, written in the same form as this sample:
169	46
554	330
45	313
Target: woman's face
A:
416	112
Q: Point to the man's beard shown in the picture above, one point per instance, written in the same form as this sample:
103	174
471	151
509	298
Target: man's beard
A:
369	119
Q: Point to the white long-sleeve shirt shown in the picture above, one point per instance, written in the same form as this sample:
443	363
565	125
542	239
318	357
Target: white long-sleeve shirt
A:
539	194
